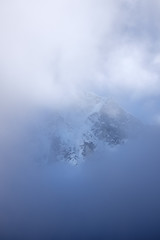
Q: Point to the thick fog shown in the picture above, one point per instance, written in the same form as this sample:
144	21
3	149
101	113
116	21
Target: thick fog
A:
51	52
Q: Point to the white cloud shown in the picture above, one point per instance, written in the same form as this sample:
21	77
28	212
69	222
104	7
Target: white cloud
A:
52	48
132	69
51	44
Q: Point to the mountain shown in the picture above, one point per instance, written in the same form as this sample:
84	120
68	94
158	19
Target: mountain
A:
71	134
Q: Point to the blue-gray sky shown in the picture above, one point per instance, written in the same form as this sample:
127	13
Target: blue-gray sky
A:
114	195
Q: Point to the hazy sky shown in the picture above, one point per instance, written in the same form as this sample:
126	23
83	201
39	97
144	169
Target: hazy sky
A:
52	49
114	195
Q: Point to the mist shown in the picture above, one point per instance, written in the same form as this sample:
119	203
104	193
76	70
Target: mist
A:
114	194
51	52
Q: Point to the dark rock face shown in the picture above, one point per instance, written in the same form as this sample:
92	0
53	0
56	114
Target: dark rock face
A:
87	148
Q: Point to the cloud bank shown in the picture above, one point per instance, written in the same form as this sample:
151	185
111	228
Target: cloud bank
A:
54	48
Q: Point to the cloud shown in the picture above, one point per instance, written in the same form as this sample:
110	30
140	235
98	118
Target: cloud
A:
51	50
49	47
132	70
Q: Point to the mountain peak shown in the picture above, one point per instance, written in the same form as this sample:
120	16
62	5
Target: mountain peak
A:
71	135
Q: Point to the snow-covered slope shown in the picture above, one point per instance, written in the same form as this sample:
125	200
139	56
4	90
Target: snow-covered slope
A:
73	133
